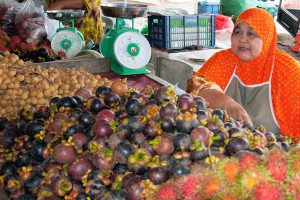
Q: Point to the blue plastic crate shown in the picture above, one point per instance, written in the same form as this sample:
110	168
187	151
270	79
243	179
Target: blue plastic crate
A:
181	32
211	7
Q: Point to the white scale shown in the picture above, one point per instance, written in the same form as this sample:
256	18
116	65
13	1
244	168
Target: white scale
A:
129	51
67	39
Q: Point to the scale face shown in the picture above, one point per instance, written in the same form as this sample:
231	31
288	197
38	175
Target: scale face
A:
67	41
132	50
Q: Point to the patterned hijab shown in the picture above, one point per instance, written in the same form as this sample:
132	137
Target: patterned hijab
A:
285	80
259	69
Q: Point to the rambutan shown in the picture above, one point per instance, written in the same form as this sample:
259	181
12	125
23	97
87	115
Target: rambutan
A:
294	152
213	186
12	47
251	178
248	160
277	169
229	169
62	54
167	192
267	190
2	48
294	166
229	197
276	154
15	39
188	186
22	46
31	46
293	187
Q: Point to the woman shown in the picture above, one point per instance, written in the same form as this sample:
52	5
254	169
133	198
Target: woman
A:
90	26
253	81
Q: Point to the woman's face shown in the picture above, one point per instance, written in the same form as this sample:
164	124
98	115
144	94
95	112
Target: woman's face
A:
245	43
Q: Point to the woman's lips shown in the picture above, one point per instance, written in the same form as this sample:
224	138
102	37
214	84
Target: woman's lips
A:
243	49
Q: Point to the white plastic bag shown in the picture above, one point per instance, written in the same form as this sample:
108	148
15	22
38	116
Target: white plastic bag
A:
30	23
8	12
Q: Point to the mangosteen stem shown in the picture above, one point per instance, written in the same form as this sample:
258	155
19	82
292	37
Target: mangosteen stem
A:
9	155
211	159
66	186
154	142
216	138
108	153
140	156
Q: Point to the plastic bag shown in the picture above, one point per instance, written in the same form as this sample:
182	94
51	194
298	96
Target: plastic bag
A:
235	7
51	26
8	12
224	24
30	23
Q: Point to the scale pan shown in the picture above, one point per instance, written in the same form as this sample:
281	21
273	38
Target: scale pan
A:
124	10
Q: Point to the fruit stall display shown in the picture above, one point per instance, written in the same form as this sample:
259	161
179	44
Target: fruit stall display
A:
36	53
71	135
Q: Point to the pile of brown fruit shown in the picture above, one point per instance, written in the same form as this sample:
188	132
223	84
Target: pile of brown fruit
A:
21	84
119	143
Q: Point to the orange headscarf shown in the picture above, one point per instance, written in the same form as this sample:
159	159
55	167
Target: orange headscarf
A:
285	80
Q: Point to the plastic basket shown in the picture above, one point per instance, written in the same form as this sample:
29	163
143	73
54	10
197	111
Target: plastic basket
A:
181	32
211	7
271	7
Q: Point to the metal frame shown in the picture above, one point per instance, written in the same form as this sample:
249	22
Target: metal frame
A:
289	19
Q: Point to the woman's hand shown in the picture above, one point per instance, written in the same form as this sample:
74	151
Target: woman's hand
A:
218	99
237	112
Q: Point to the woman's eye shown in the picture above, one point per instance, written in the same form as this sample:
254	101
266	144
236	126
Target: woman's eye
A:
252	34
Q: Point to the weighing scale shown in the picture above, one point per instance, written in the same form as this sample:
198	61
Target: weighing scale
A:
128	50
67	39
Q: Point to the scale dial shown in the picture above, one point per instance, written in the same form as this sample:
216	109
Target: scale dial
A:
132	50
68	42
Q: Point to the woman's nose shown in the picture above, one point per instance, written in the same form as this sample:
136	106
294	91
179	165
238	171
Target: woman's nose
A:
243	38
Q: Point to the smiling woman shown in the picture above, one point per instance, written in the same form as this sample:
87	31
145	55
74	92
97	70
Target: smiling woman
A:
253	81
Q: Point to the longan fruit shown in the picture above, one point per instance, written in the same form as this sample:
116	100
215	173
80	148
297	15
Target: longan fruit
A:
20	77
6	53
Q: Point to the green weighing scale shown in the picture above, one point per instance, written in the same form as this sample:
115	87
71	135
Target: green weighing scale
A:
67	39
128	50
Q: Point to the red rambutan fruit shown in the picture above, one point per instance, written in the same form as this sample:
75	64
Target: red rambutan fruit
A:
276	154
22	46
15	39
12	46
229	197
295	165
293	186
248	160
267	190
62	54
213	186
31	46
167	192
295	151
231	169
277	169
2	48
251	178
188	187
